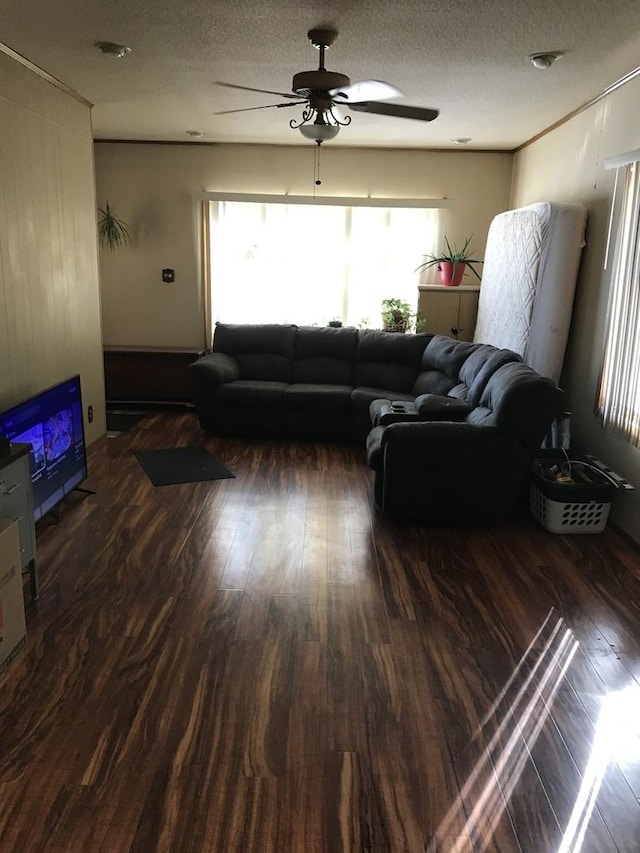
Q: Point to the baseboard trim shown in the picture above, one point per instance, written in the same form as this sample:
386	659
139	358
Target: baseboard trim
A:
152	405
626	537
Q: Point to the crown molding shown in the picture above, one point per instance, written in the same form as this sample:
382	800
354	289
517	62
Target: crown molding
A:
43	74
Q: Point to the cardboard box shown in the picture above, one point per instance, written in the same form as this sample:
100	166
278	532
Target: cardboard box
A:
13	632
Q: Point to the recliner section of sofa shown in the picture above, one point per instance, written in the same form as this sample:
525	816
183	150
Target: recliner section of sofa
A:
476	468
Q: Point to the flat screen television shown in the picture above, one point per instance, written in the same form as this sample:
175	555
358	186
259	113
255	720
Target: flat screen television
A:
51	422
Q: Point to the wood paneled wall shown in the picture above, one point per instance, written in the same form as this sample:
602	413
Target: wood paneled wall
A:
50	323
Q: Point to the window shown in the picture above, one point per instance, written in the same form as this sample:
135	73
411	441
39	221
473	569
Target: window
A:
619	393
308	263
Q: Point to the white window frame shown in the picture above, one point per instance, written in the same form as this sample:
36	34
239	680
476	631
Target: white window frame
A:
385	203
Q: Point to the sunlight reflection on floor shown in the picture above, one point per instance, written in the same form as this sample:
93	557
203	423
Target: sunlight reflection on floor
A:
617	739
491	783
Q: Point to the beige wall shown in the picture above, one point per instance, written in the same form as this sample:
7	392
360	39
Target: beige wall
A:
152	187
567	165
49	293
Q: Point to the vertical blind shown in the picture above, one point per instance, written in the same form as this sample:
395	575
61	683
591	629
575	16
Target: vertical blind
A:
309	264
619	392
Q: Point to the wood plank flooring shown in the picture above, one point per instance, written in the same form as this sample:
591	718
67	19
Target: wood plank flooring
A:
267	665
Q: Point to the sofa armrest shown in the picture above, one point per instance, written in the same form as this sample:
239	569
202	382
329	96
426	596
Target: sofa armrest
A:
422	434
438	407
214	369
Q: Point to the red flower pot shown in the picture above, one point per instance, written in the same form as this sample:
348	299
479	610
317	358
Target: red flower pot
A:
449	276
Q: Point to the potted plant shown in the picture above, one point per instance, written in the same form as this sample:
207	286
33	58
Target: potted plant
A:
452	263
397	316
113	232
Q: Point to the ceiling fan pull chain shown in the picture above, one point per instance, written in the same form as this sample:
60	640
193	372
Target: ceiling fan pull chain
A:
316	168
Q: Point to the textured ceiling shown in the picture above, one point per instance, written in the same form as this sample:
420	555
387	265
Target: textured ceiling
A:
468	59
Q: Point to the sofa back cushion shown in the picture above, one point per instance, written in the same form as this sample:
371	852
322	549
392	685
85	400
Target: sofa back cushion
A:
324	355
478	369
442	361
388	359
520	402
263	351
432	382
445	354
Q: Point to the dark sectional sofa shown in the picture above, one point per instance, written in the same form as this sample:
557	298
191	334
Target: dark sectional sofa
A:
473	416
302	382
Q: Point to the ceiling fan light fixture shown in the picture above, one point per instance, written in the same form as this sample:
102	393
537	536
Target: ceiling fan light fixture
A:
110	48
320	131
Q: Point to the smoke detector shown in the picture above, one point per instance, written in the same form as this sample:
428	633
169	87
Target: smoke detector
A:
544	60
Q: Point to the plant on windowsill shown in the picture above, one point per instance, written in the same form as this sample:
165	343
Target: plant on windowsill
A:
112	232
397	316
451	263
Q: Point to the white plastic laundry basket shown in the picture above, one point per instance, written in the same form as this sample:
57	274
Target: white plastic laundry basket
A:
587	516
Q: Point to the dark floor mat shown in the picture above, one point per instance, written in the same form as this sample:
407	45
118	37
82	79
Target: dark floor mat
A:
181	465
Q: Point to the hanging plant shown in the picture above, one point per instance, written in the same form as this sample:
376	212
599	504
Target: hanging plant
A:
113	232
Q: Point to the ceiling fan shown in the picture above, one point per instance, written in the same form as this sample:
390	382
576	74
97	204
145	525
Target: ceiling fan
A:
322	93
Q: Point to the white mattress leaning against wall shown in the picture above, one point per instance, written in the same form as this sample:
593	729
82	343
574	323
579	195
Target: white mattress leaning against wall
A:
528	282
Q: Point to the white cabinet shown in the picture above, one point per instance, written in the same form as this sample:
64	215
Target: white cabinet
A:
16	504
450	311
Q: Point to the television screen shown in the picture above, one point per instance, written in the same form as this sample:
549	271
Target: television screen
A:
51	422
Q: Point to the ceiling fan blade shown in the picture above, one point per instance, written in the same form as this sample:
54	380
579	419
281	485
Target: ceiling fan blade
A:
265	107
250	89
366	90
396	110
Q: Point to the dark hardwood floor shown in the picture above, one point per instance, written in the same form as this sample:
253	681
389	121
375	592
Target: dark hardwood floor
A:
266	665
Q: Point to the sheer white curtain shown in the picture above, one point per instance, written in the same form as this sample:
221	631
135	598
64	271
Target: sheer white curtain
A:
311	263
619	397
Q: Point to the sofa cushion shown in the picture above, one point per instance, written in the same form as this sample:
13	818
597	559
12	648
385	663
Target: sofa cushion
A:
263	352
433	382
478	369
442	361
447	355
247	392
322	370
519	401
324	355
436	407
316	396
388	360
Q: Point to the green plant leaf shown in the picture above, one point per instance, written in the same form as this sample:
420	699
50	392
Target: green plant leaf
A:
397	313
451	255
112	232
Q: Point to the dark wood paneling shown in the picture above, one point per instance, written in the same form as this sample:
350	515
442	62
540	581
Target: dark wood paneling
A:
148	375
267	665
